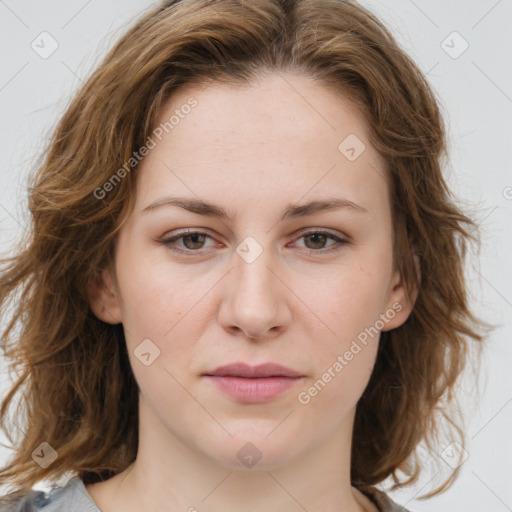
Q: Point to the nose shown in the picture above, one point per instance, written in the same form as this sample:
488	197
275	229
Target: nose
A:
256	300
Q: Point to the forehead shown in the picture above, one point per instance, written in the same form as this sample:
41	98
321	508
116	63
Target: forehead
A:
280	131
281	104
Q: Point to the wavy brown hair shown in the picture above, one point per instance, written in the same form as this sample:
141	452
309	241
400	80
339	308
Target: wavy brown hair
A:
77	389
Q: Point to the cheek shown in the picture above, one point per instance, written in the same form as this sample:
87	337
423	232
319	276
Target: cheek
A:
348	304
155	297
164	306
338	383
158	308
343	361
350	299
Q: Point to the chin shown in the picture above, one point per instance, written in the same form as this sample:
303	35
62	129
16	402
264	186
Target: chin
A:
255	452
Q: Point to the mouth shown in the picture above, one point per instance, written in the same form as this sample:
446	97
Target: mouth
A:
253	384
244	370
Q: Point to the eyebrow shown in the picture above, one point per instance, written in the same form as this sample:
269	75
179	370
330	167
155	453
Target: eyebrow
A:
204	208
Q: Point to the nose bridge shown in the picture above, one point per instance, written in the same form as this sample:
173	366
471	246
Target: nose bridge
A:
255	303
252	275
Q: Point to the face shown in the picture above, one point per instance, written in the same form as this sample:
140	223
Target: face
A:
273	281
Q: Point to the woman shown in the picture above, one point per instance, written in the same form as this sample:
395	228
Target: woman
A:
243	287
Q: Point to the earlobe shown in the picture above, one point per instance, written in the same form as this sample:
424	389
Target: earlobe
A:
103	299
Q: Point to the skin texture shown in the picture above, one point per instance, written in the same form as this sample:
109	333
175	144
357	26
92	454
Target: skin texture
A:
252	150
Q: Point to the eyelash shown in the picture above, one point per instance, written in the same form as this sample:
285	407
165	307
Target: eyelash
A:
168	241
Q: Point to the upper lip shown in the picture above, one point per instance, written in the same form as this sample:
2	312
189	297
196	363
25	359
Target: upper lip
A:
240	369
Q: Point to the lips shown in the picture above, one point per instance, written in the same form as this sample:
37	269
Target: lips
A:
253	384
253	372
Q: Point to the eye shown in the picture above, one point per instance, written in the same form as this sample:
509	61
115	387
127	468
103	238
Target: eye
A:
195	240
317	239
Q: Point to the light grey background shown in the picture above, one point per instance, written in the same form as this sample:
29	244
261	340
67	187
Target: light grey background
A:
475	91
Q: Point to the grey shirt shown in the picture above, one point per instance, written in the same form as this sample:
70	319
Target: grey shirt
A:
73	497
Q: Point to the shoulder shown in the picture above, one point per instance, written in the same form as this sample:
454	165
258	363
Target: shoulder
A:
383	502
57	499
23	501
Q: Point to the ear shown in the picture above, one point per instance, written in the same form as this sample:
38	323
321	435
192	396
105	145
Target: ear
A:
401	299
104	299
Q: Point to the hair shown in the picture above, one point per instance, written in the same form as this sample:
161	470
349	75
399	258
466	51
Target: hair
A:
78	392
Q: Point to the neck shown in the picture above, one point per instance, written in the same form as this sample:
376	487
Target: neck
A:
170	475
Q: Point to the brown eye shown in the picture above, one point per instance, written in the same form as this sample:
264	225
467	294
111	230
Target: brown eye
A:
193	241
315	241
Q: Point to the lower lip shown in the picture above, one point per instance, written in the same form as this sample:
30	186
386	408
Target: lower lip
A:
253	390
